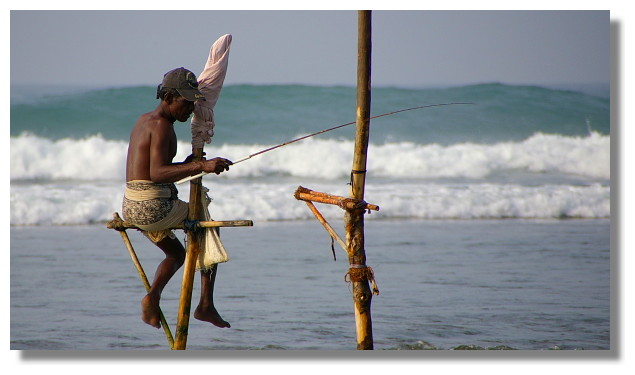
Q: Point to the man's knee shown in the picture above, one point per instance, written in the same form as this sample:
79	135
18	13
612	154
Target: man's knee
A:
179	259
173	249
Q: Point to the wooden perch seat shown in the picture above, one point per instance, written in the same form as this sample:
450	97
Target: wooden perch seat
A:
119	224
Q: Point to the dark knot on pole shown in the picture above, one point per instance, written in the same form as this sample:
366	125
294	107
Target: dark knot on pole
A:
191	226
352	204
354	172
116	223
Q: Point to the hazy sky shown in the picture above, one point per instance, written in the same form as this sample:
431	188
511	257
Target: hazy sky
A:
413	48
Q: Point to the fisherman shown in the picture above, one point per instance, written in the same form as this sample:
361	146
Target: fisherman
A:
151	201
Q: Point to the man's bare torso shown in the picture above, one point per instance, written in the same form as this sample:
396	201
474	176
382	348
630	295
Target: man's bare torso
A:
152	134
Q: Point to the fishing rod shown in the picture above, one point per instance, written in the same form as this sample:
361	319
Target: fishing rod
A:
320	132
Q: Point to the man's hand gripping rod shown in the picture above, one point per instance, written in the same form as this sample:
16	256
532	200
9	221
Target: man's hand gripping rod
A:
314	134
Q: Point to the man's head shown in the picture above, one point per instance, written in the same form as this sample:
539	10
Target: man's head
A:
184	82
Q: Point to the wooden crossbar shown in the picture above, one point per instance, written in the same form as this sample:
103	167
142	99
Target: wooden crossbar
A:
305	194
118	224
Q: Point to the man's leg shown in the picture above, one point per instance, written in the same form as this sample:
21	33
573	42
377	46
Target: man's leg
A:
174	258
206	310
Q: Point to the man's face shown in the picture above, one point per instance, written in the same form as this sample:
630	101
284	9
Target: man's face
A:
182	108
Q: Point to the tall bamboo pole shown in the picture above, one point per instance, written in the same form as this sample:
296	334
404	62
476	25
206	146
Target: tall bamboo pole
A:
354	219
185	302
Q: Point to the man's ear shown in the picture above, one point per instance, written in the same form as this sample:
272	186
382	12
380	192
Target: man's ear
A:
168	97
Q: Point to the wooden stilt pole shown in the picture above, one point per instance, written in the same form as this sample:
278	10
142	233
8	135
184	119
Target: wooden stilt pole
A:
185	302
354	218
144	279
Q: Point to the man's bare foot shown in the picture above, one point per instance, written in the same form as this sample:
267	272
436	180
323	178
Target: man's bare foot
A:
210	315
150	312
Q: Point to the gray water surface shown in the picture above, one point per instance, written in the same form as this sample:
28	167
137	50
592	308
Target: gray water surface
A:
519	284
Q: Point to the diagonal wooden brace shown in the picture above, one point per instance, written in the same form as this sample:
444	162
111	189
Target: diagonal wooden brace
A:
326	225
143	277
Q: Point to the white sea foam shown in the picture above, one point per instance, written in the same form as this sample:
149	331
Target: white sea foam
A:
75	181
59	204
92	158
96	158
588	156
36	204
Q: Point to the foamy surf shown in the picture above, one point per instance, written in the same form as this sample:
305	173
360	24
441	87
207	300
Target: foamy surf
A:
96	158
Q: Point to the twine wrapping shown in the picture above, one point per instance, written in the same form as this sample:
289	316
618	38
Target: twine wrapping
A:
359	273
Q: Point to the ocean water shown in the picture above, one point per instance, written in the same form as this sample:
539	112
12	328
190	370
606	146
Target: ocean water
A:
487	212
518	152
443	284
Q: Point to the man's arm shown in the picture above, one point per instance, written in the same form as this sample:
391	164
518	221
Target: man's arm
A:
162	169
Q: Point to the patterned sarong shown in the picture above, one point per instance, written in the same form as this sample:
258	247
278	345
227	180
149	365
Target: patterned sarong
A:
154	208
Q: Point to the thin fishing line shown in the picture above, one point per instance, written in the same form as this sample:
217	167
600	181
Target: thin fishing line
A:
324	131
